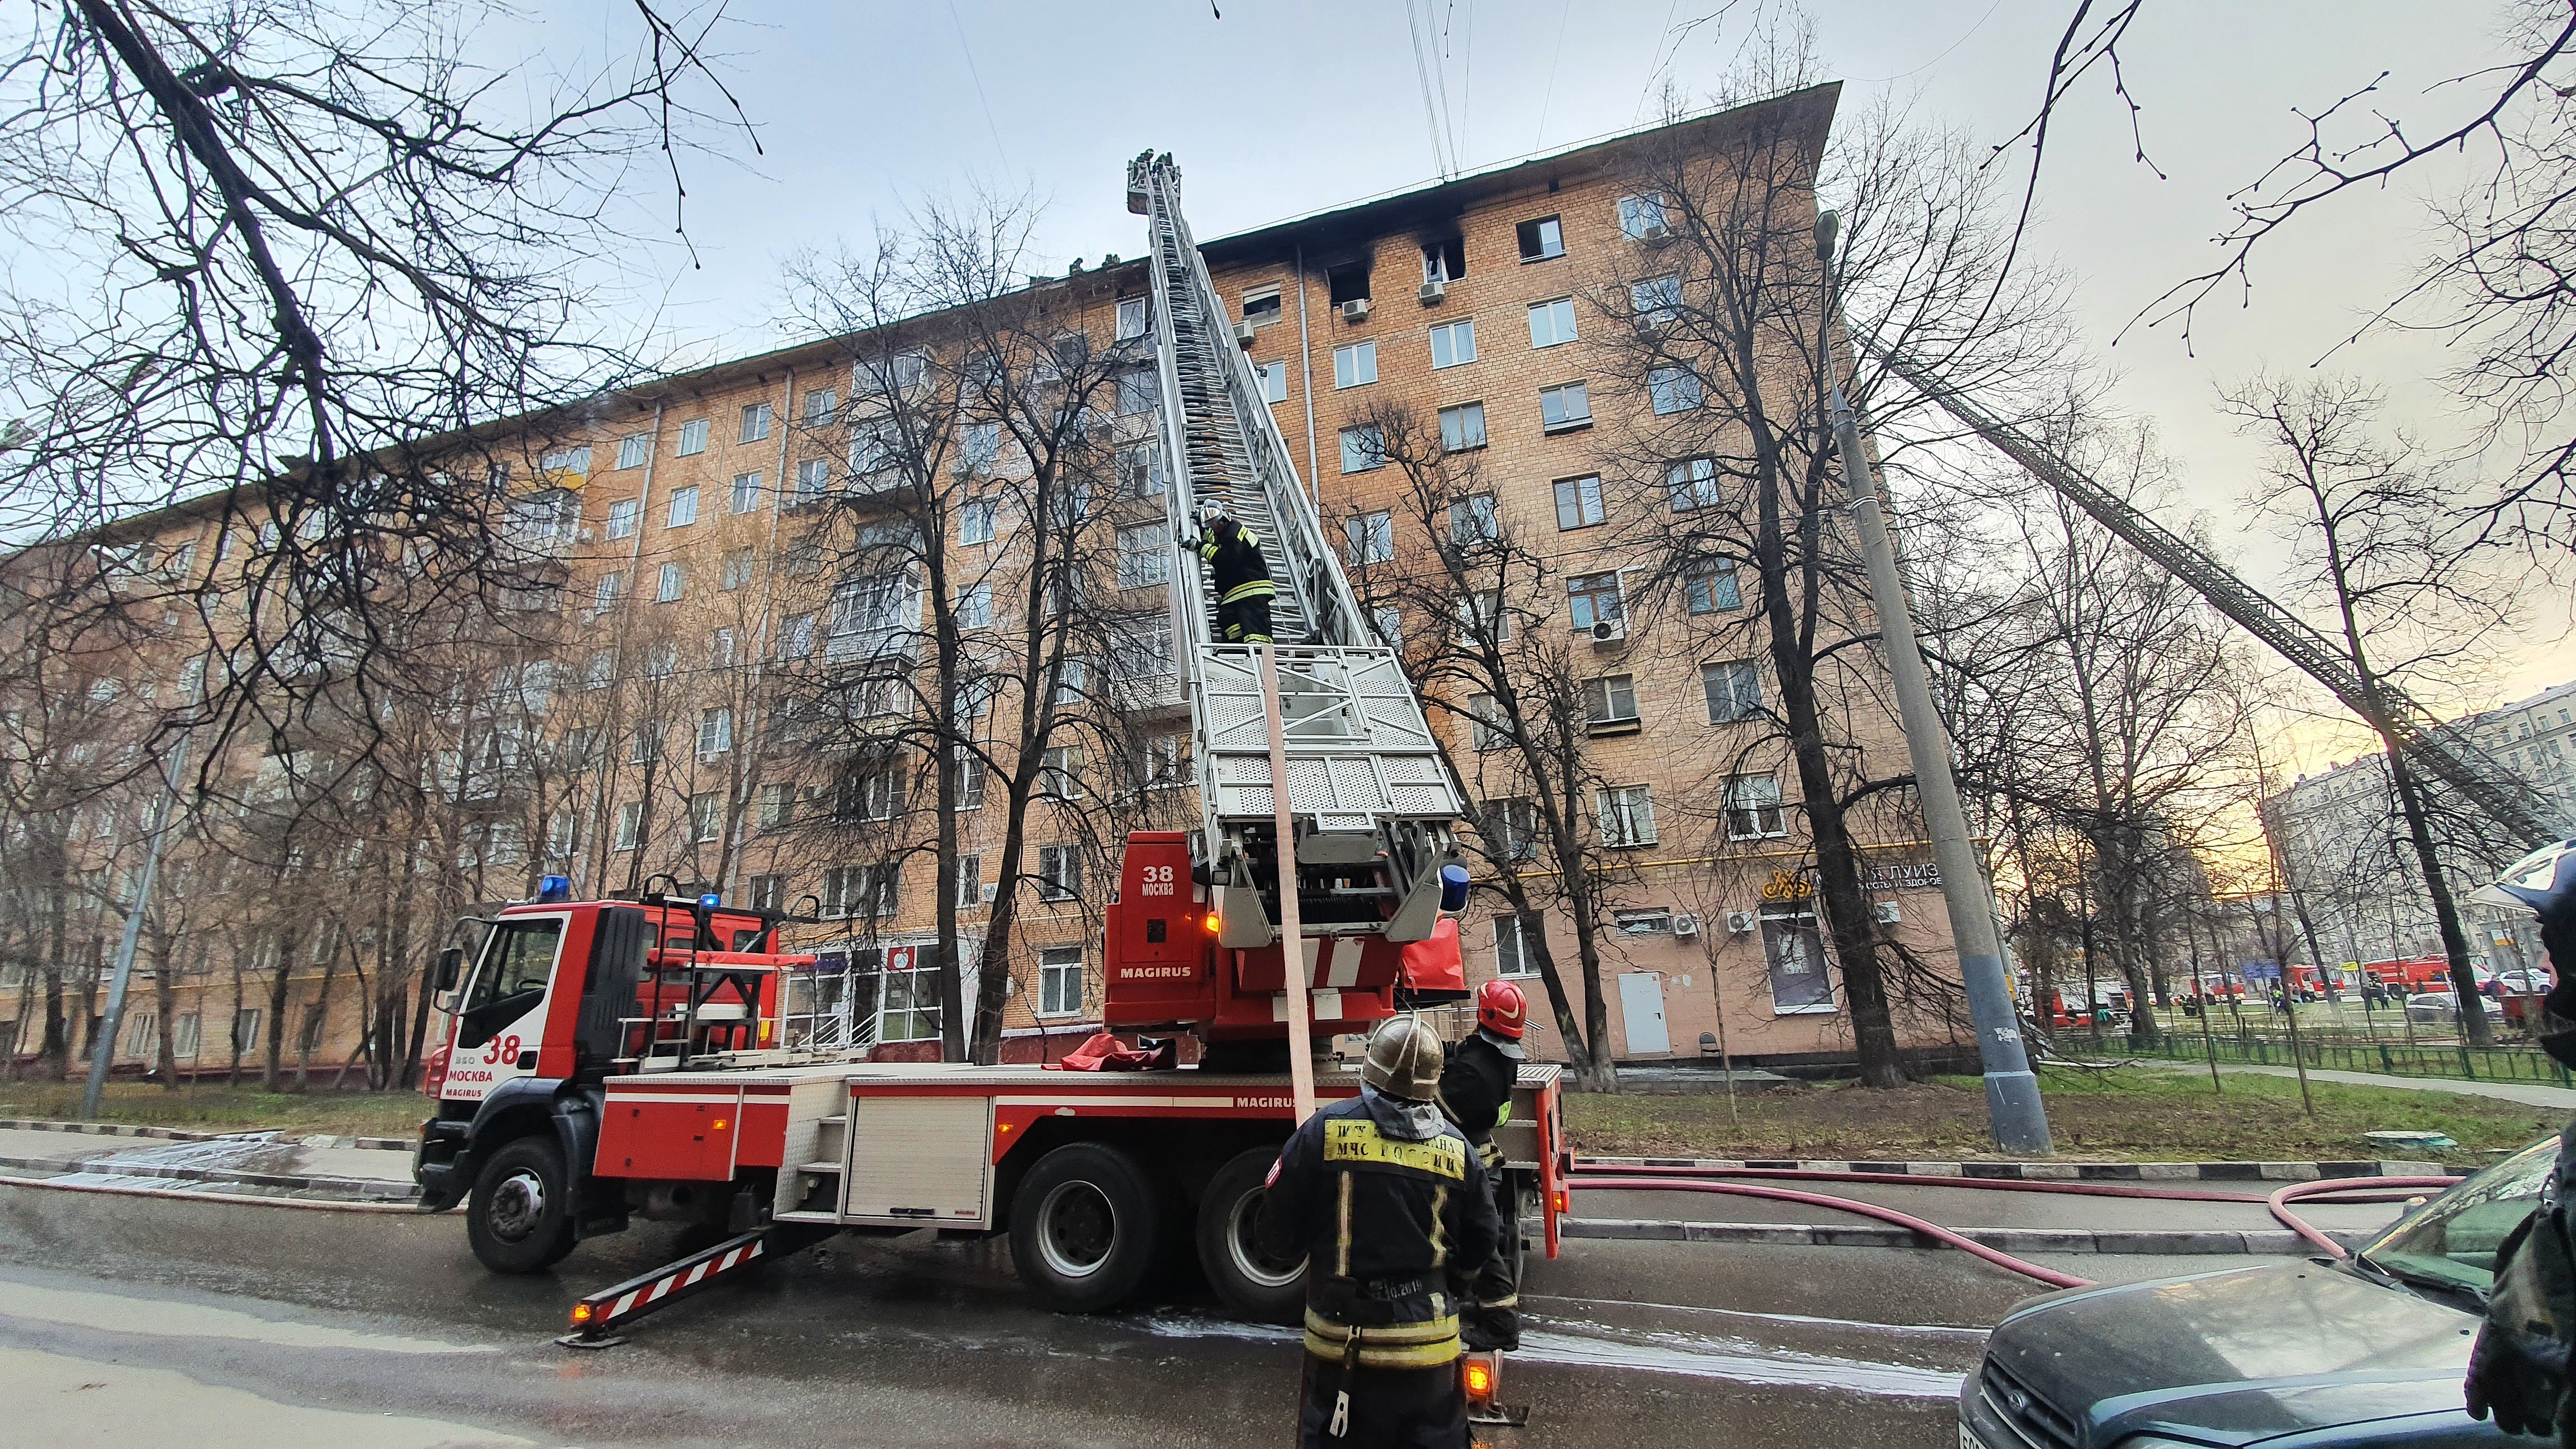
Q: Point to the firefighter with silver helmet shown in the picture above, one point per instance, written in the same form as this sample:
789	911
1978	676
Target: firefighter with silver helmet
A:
2519	1369
1240	574
1476	1093
1388	1204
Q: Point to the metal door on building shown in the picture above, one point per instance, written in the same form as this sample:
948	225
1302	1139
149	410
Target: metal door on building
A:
1641	1007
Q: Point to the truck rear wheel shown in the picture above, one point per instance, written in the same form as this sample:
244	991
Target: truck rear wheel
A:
520	1216
1257	1287
1084	1227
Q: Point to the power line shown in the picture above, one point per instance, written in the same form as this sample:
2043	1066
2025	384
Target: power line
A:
1555	53
1422	72
978	77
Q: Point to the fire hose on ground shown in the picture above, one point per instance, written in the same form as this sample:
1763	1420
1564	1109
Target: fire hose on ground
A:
1707	1180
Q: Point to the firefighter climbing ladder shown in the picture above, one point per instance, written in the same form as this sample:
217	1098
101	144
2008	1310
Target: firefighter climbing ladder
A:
1361	760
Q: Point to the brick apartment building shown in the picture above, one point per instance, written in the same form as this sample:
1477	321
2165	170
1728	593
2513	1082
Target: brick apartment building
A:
680	588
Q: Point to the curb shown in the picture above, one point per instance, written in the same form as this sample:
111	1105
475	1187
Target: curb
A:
2049	1171
375	1188
181	1134
2151	1243
309	1205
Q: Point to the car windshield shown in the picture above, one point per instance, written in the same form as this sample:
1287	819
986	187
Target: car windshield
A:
2453	1242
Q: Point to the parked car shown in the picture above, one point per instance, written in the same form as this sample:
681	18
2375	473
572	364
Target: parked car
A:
2525	983
2366	1350
2433	1006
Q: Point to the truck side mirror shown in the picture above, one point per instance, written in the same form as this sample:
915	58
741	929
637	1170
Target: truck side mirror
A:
451	963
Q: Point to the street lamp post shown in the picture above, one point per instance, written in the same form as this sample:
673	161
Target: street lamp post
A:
2012	1091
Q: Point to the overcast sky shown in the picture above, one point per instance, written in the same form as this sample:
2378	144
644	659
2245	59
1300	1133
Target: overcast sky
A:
1278	109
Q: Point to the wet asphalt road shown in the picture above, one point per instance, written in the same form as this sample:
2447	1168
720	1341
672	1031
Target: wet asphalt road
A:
124	1320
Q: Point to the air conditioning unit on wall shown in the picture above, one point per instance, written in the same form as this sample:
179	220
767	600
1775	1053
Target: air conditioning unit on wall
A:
1742	923
1685	925
1432	291
1609	631
1355	310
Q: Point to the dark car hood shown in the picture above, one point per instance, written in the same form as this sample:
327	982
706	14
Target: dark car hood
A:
2237	1356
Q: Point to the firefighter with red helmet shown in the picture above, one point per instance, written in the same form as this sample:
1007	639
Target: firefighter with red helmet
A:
1388	1205
1476	1093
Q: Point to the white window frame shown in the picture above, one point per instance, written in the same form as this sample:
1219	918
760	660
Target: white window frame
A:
1560	394
673	584
693	438
1767	819
1355	364
682	510
1364	443
1274	380
1671	390
715	732
623	515
634	450
1627	815
977	520
1056	865
1060	969
745	495
1461	412
1644	217
1743	684
1369	537
1131	318
1511	944
756	420
1144	555
1458	339
1551	323
1603	695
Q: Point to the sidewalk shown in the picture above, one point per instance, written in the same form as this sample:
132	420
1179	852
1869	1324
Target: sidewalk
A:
2529	1093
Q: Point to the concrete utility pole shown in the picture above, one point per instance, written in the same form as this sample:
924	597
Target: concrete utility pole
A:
102	1052
2012	1092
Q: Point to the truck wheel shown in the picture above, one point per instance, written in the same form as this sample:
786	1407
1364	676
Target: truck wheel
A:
520	1216
1084	1226
1257	1287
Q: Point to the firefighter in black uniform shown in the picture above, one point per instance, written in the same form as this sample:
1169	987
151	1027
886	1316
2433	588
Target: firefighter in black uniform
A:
1388	1204
1476	1093
1242	579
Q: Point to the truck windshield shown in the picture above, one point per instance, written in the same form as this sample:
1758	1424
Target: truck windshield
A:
2453	1242
517	960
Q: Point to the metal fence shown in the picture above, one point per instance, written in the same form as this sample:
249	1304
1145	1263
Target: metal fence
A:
2393	1059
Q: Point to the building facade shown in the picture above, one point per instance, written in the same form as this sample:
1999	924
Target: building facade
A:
2342	842
719	652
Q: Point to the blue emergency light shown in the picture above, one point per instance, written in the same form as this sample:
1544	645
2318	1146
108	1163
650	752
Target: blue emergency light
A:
710	901
554	888
1453	888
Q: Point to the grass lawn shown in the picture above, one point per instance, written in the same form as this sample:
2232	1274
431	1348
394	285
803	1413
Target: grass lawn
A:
216	1108
2139	1114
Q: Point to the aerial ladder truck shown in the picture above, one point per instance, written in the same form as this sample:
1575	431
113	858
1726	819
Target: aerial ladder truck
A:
611	1060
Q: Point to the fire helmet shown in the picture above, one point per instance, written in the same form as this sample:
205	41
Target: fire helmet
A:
2544	881
1403	1060
1502	1009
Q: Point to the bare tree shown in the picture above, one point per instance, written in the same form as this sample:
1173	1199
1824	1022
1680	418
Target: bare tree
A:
2375	541
1483	650
983	641
301	252
1719	327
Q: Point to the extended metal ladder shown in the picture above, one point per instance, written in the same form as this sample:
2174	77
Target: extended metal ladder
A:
1364	773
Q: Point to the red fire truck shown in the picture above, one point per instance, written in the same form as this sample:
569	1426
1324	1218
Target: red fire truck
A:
614	1060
